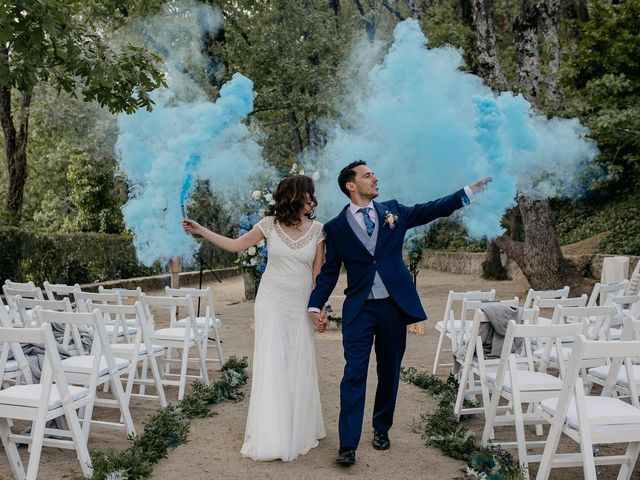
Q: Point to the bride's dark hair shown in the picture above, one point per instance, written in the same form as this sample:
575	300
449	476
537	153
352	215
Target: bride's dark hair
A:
290	196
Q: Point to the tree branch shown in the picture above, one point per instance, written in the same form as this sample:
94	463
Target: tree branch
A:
513	249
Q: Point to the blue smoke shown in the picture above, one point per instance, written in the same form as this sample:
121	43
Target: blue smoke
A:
426	129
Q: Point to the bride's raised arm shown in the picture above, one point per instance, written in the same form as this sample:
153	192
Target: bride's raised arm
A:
249	239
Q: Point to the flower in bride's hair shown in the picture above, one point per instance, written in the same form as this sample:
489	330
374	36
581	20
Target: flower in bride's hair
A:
268	197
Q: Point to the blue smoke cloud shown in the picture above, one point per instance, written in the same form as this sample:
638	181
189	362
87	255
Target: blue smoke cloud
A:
186	137
426	129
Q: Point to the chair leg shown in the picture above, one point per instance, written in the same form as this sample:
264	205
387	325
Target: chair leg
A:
37	439
490	416
219	346
438	350
79	440
183	372
123	402
12	451
155	372
143	376
544	470
202	356
626	469
461	389
521	439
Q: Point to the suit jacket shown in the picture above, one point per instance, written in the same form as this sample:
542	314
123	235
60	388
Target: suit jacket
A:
343	246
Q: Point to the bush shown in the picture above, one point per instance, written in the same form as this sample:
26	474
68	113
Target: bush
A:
67	258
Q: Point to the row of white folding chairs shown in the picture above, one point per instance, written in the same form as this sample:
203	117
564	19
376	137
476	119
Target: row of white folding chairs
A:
515	378
456	322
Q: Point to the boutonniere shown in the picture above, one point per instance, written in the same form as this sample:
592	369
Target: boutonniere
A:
390	219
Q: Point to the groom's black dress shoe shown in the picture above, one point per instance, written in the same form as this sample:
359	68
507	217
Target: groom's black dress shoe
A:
381	440
346	457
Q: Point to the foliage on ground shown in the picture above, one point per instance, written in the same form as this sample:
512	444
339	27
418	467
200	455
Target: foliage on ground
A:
168	427
444	430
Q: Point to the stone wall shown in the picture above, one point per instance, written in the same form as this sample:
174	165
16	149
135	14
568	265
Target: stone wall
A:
471	263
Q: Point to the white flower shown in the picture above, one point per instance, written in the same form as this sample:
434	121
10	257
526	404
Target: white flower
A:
256	194
260	243
301	172
253	262
252	251
261	212
272	203
315	176
268	197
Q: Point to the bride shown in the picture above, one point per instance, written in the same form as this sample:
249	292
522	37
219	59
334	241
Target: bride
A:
285	415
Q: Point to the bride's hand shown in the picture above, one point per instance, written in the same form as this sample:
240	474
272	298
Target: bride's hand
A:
191	226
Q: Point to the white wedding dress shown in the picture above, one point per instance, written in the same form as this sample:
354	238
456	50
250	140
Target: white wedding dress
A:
285	415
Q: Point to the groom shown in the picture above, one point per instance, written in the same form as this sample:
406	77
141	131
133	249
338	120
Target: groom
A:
381	299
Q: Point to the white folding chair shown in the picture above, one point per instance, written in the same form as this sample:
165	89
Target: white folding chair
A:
139	351
184	338
79	369
210	321
38	403
125	293
517	382
27	290
592	420
472	368
449	326
633	287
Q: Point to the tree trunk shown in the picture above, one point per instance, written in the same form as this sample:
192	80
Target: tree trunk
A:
539	256
492	267
528	76
416	10
488	64
548	31
15	150
296	136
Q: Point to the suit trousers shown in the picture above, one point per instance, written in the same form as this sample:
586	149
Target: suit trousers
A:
380	323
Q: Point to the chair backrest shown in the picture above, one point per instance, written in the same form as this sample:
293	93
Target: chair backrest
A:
597	318
602	294
25	305
10	293
18	355
20	285
633	287
205	294
562	302
172	304
57	291
126	315
544	294
125	293
106	298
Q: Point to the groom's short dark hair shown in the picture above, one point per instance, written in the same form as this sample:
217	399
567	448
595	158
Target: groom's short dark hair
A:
347	174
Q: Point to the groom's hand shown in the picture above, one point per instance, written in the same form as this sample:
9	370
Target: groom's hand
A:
480	185
318	319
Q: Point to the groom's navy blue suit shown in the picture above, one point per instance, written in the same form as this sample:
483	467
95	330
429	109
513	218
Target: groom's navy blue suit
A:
368	321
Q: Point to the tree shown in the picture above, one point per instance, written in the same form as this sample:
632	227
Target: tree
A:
61	42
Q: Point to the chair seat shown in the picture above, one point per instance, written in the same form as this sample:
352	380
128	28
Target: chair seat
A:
174	333
603	371
127	348
598	409
200	321
528	380
29	395
74	364
457	324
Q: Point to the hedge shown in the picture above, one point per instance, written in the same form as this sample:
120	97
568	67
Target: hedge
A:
76	257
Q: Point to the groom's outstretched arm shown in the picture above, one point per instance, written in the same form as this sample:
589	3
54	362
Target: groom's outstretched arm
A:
424	213
328	276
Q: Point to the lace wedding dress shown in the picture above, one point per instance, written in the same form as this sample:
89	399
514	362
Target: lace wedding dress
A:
285	415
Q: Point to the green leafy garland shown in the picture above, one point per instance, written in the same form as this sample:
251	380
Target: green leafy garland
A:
168	427
442	429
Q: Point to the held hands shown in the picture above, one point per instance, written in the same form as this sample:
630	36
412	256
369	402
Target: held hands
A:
320	319
480	185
